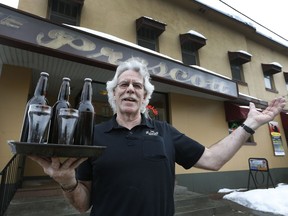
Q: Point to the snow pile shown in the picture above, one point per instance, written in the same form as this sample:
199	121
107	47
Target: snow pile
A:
272	200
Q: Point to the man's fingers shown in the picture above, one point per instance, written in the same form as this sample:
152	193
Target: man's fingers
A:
55	163
72	163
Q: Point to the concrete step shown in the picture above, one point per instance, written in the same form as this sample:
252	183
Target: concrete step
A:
41	206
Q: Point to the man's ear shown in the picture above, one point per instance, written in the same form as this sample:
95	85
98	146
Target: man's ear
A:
145	95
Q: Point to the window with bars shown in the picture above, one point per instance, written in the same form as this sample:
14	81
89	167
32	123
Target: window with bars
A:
237	72
148	31
63	11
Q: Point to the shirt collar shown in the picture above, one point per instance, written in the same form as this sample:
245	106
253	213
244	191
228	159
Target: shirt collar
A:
113	124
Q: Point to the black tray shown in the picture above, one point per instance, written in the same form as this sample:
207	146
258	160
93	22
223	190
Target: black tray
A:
55	150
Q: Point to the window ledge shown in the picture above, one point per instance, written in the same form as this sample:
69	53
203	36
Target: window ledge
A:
250	143
240	82
271	90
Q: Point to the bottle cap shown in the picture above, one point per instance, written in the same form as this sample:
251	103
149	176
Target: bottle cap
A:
66	79
44	74
88	79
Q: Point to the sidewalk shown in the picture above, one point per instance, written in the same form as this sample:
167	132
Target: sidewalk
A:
45	198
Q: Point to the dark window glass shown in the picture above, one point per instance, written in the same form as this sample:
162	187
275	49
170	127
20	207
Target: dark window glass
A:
65	12
148	39
189	57
237	73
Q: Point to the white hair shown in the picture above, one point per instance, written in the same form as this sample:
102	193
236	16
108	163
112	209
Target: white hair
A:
137	66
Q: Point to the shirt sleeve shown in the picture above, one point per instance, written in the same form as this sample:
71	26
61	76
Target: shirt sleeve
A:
187	150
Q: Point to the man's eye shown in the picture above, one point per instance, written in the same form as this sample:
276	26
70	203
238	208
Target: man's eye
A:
123	85
137	85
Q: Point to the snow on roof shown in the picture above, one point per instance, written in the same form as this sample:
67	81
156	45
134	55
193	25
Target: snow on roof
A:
226	10
154	20
192	32
249	96
244	52
209	71
276	64
121	41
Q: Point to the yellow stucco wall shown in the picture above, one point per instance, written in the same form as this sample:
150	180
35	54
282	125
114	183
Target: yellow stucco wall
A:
14	88
204	121
38	8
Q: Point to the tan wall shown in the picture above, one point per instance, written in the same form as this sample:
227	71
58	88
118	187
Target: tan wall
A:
204	121
14	88
255	77
38	7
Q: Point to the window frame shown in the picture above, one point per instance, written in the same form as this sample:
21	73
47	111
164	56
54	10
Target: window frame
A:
152	42
237	73
189	56
57	9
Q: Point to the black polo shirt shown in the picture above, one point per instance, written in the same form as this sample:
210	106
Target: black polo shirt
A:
136	173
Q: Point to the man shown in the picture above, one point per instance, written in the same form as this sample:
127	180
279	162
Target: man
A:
135	175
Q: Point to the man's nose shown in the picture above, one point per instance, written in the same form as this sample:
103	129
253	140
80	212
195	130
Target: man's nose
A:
130	87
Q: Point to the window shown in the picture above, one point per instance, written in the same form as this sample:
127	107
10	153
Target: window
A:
191	42
234	125
189	57
237	59
148	39
148	32
268	71
237	72
160	102
236	114
286	80
269	82
63	11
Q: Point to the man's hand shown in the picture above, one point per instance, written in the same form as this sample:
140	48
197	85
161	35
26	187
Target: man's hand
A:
61	172
255	118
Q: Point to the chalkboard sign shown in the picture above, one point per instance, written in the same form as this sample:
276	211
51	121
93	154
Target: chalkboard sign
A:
259	167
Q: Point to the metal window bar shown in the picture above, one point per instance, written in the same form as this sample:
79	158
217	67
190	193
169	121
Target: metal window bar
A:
10	180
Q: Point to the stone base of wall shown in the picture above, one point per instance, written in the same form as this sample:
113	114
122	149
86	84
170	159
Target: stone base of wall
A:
213	181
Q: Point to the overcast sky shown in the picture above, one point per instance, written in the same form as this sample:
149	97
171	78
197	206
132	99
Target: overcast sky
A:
270	13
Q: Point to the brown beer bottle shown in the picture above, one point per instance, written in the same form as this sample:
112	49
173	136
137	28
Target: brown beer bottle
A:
62	102
39	97
84	130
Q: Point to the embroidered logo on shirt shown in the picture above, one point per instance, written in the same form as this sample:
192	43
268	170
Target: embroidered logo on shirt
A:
152	133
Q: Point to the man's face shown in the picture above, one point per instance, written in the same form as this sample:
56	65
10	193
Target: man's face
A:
129	93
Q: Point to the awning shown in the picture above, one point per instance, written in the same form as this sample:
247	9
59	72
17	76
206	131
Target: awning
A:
284	119
235	112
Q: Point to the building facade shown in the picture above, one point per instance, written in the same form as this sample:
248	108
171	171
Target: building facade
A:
206	67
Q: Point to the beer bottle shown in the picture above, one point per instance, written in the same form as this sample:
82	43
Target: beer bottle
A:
84	130
62	102
39	97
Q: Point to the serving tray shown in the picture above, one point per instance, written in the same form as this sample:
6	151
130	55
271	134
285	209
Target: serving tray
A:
55	150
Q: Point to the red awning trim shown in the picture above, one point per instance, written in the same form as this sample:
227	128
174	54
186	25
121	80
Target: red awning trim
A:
284	119
236	112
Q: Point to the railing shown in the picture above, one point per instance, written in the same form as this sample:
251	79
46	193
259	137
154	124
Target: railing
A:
10	180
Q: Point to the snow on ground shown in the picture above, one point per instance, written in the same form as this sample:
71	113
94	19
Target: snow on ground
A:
274	200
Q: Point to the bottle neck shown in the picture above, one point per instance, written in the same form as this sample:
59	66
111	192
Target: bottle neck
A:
86	92
64	92
41	87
